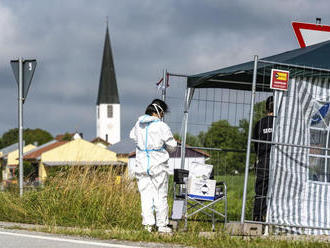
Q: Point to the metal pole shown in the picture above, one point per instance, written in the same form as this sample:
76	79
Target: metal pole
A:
178	75
185	127
20	123
247	162
271	168
164	85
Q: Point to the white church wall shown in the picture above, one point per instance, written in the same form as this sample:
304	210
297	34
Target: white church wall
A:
108	128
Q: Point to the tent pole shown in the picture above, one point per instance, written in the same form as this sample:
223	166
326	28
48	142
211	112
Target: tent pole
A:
177	75
188	96
271	174
164	85
247	161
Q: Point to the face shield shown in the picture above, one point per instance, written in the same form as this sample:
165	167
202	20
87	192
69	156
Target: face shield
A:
159	110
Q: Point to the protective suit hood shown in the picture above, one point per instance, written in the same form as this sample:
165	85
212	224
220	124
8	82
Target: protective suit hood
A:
147	119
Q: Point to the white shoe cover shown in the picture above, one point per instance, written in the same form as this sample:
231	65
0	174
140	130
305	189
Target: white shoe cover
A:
164	229
148	228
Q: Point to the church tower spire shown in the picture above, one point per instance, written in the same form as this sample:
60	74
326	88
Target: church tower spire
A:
108	104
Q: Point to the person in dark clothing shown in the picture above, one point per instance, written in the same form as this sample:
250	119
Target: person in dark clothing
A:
263	130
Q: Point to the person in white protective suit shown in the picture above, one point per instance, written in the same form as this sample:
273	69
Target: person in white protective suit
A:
153	140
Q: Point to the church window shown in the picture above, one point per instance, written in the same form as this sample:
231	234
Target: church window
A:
110	111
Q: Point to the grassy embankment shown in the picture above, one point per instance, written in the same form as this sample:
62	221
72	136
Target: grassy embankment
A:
92	201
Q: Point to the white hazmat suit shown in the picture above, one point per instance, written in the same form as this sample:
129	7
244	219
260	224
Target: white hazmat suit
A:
153	140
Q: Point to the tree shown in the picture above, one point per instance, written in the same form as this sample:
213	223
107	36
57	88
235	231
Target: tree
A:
67	137
191	140
221	135
37	135
233	142
29	135
30	171
10	137
259	111
244	130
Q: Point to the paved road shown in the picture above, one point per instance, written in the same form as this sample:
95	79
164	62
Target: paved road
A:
25	239
15	239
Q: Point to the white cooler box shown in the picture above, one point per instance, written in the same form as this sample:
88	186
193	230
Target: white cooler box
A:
201	189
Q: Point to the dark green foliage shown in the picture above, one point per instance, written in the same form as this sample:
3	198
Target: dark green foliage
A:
191	139
10	137
29	135
30	170
221	134
37	135
233	142
67	137
259	111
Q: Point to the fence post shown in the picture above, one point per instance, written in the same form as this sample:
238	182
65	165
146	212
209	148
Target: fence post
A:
247	162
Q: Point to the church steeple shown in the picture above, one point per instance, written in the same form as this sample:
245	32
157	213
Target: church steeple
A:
107	104
108	92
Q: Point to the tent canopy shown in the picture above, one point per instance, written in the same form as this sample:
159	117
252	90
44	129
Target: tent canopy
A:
240	76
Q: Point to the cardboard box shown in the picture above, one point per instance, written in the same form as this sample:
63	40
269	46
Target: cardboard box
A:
201	189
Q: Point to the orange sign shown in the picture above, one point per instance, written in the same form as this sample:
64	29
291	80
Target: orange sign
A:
279	79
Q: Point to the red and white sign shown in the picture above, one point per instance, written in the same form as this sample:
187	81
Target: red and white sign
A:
279	79
309	34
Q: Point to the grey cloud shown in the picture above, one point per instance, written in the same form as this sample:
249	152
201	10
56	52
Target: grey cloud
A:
184	36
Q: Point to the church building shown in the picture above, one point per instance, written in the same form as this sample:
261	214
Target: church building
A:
108	105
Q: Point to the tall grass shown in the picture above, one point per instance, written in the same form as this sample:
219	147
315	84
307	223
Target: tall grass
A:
89	197
92	198
82	197
235	185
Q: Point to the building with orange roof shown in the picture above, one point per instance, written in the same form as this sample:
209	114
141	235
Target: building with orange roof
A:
77	152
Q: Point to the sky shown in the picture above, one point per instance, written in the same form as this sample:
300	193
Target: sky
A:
183	36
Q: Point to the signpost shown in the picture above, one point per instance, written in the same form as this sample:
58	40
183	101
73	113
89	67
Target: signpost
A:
23	71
